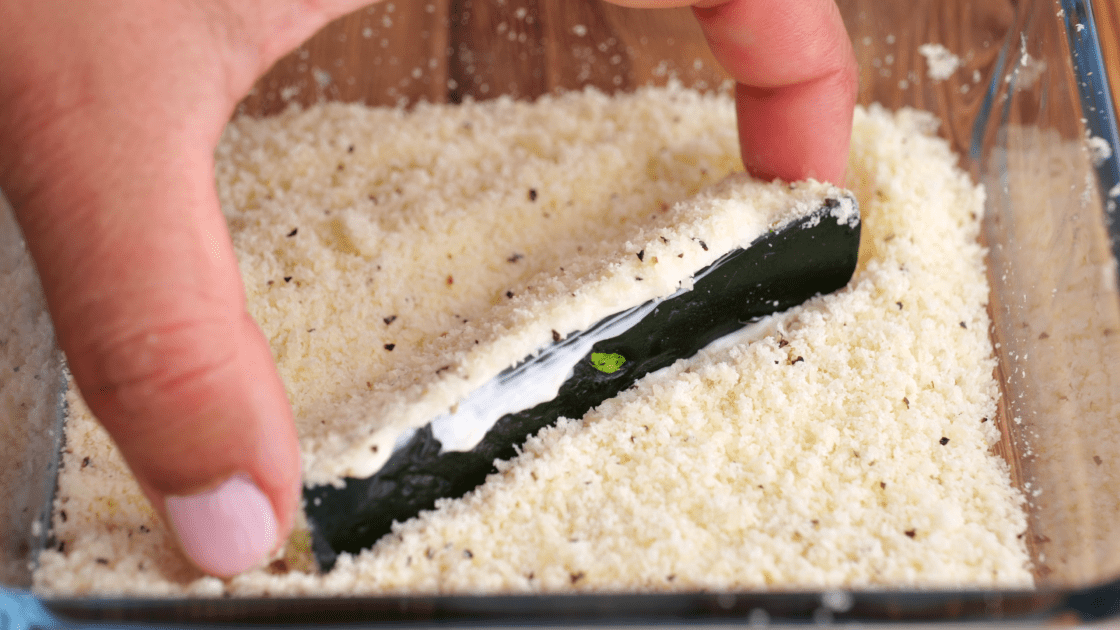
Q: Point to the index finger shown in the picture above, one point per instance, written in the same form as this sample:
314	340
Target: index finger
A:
796	79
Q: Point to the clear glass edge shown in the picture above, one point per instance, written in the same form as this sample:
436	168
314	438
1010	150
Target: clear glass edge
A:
1097	107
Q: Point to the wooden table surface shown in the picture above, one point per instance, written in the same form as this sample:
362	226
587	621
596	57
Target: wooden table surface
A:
404	51
1107	15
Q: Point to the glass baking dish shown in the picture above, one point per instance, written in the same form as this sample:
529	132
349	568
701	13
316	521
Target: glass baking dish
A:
1030	72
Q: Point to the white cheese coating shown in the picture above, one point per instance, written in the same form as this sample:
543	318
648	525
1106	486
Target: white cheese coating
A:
538	381
540	377
844	447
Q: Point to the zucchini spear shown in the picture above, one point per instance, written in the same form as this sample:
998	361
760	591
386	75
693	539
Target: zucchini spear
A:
811	255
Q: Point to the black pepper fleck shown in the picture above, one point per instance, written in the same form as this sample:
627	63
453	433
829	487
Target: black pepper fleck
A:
963	325
293	232
514	258
577	577
390	319
85	462
1097	460
944	441
144	529
350	149
467	553
883	485
532	194
373	448
642	255
703	245
390	346
782	343
983	420
899	305
62	515
16	368
555	337
907	401
797	360
509	294
287	278
911	533
102	561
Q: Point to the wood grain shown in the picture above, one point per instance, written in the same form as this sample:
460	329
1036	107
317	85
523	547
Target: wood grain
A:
386	54
396	53
448	50
1107	16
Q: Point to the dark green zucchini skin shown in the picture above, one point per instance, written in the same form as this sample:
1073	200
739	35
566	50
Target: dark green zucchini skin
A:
782	269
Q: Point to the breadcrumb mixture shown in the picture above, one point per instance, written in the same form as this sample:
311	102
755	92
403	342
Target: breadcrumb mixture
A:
1057	321
850	447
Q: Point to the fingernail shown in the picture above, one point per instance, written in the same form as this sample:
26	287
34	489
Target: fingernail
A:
226	530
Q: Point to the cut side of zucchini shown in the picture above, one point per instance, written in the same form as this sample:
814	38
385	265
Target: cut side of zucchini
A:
812	255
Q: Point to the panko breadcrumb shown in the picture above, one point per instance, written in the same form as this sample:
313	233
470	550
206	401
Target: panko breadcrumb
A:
848	446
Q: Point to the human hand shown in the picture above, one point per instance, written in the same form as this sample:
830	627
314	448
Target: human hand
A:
110	111
796	78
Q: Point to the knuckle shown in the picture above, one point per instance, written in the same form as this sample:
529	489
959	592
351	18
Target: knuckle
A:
160	366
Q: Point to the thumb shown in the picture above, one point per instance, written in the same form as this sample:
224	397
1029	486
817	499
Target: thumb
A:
144	290
120	213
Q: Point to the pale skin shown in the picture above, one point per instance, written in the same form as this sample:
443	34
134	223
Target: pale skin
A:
109	114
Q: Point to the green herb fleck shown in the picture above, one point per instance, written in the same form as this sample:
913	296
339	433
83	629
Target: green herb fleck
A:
607	363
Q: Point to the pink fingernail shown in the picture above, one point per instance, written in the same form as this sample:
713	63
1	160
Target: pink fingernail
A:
226	530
